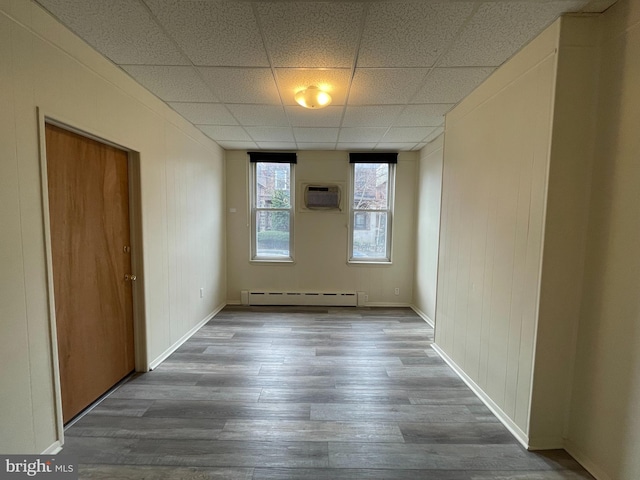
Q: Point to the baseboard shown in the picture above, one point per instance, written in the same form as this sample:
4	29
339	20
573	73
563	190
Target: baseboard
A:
550	443
53	449
491	405
387	304
423	315
585	461
164	355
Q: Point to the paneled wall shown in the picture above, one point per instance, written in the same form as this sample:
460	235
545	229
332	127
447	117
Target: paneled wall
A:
182	200
493	203
604	428
428	227
321	236
514	220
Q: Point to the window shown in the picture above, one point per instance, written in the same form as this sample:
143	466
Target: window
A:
372	190
272	206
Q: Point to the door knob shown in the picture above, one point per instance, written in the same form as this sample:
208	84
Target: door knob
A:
131	278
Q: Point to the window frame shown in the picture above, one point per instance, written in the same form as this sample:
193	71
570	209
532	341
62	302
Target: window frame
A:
387	259
255	209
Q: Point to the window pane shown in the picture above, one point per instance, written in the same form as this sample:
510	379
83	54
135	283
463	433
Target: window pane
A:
272	234
273	185
371	186
370	236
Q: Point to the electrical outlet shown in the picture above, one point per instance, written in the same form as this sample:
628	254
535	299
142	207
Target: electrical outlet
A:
202	293
396	291
366	298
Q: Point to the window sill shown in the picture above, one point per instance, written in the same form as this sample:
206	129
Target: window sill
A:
272	261
369	262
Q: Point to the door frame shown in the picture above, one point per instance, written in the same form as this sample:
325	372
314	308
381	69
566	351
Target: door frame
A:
137	266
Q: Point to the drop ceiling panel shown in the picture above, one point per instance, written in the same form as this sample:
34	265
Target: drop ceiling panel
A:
278	145
370	116
122	30
325	135
204	113
393	68
230	145
435	134
172	84
327	117
499	29
333	81
428	115
316	146
224	132
395	146
406	134
363	134
217	33
266	134
356	146
450	85
375	86
242	85
410	34
310	34
273	115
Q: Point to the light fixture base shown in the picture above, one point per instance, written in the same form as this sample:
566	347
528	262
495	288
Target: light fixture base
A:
312	97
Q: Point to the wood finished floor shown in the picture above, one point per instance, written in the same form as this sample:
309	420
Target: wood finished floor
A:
304	393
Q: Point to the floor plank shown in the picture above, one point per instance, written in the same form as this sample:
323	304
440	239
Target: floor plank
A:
310	393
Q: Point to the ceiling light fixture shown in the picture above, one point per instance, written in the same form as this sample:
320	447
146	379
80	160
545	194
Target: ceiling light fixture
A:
313	97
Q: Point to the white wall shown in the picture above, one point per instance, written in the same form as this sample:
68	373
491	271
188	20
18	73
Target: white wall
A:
321	237
182	183
493	202
604	429
428	227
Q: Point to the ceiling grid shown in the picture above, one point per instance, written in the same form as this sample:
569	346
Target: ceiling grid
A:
392	68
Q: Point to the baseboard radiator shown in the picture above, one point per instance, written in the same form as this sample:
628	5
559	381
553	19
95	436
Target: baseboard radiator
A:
299	298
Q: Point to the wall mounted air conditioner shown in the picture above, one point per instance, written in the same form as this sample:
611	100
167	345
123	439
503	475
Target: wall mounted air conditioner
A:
322	197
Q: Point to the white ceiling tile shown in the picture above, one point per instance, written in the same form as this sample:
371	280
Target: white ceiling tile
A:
230	145
266	134
172	84
316	134
216	33
242	85
435	134
370	116
277	145
499	29
361	134
122	30
272	115
375	86
333	81
224	132
410	34
204	113
310	34
406	134
450	85
303	117
356	146
427	115
316	146
404	146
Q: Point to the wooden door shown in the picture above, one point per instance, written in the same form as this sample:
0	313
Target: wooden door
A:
89	214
